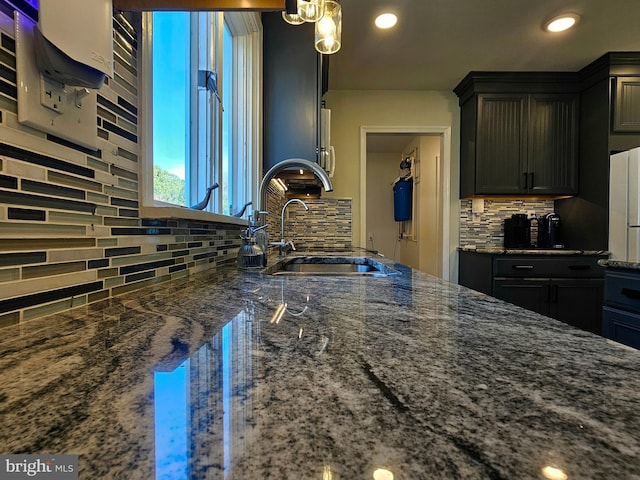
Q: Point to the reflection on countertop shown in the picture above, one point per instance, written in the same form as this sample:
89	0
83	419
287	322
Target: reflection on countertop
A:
530	251
240	375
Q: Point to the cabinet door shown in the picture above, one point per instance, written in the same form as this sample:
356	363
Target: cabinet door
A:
291	87
501	144
626	107
578	302
552	145
474	271
527	293
623	327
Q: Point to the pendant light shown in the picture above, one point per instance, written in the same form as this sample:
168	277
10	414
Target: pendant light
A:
311	10
293	18
328	38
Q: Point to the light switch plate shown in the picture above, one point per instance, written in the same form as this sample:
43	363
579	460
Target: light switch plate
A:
35	106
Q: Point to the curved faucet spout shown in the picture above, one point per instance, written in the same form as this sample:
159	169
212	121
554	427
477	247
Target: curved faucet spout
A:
283	244
293	200
283	165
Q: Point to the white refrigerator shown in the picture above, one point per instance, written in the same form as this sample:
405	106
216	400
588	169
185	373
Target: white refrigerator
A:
624	206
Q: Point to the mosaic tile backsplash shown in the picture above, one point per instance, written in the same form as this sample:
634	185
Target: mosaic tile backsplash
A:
70	229
486	229
327	225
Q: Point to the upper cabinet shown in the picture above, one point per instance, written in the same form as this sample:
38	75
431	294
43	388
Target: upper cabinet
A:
518	134
293	87
626	106
552	151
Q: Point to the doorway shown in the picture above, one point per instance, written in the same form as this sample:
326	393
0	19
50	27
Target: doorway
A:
420	155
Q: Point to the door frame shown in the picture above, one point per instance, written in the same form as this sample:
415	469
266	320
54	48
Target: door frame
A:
445	187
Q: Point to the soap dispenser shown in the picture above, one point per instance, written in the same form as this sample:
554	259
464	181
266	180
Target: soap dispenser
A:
250	255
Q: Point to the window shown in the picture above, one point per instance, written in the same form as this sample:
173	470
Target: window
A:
202	99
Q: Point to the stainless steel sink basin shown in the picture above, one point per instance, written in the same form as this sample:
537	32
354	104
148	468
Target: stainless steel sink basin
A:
330	266
327	268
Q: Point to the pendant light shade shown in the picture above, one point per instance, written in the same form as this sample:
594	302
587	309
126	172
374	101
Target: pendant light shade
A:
328	37
293	18
311	10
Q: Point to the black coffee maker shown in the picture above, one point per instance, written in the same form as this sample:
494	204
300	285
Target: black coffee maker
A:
549	231
517	231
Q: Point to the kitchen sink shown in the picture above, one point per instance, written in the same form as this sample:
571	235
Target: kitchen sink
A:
321	265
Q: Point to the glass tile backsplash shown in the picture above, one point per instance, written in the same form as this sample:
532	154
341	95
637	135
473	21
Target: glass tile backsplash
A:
486	229
70	230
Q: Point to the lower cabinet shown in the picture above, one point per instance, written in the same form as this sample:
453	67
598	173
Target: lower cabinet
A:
568	288
528	293
621	326
576	301
621	313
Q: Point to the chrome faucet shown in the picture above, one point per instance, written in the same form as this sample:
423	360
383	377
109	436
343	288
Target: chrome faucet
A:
271	174
283	165
284	245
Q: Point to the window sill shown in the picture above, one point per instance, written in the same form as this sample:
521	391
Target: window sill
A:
183	213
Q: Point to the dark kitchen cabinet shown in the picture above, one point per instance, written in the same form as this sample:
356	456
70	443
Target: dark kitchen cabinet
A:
500	155
574	301
526	293
552	150
294	77
626	106
518	135
569	288
578	302
621	313
609	121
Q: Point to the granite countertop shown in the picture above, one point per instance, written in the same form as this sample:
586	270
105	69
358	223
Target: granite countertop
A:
240	375
619	264
530	251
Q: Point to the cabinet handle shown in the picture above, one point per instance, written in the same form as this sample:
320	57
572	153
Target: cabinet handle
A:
525	174
531	175
579	267
630	292
522	267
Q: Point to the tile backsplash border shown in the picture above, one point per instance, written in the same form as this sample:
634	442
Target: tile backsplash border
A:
486	229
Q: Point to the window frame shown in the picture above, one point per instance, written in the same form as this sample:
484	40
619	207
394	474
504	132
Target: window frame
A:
246	127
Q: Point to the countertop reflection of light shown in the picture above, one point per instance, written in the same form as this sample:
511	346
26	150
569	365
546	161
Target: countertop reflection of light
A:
277	316
382	474
553	473
326	473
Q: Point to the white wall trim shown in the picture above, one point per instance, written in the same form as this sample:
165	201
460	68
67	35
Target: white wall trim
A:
445	133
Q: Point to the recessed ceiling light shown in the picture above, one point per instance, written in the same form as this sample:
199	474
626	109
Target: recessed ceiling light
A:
560	23
386	20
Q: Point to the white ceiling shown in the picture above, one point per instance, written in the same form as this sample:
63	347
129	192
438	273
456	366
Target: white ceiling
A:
437	42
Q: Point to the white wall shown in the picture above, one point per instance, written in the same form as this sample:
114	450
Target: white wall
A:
382	169
351	109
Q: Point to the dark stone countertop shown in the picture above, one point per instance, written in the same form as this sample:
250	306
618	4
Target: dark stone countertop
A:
530	251
248	376
619	264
